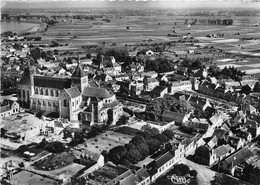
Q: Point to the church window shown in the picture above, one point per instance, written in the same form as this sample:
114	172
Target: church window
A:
41	92
46	92
28	95
52	93
23	93
64	103
77	102
36	90
57	93
72	104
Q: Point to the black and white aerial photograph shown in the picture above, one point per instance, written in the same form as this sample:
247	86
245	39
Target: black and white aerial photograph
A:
130	92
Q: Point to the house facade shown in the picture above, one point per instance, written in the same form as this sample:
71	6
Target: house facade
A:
8	108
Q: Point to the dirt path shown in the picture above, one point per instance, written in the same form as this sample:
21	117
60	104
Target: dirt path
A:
205	175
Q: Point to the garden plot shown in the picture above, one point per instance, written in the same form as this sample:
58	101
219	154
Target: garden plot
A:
106	141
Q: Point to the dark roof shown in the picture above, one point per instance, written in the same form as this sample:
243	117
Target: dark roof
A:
162	159
219	133
233	140
239	156
52	82
158	89
26	80
73	92
79	72
96	92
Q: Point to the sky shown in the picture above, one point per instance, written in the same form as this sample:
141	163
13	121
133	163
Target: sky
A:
130	3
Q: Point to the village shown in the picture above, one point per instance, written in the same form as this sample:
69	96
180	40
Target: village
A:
181	111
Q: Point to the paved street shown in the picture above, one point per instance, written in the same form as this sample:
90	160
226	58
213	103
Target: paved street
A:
205	175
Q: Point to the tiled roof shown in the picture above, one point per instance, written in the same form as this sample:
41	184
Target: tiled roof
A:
78	72
52	82
5	108
92	83
239	156
73	92
162	159
219	133
96	92
222	150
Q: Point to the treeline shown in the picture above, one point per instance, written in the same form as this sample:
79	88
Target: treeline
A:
145	143
159	65
227	72
86	17
210	21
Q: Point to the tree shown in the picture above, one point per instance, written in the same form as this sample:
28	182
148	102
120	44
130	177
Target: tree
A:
168	133
129	146
145	135
122	120
56	52
214	70
116	154
137	140
55	147
147	128
133	156
143	149
153	145
88	55
161	138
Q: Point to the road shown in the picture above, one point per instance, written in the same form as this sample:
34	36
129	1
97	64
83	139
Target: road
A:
205	175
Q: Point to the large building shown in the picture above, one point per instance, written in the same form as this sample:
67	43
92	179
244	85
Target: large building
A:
71	97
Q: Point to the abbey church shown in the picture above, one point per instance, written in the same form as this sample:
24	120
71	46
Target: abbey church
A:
71	97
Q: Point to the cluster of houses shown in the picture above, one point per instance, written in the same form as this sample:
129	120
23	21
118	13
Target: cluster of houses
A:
223	91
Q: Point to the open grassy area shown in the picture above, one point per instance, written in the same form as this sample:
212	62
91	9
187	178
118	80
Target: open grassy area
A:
106	141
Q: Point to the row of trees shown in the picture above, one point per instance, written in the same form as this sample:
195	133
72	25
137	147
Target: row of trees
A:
142	145
156	107
216	21
227	72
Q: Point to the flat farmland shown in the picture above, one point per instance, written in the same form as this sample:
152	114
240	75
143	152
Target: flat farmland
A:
133	29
